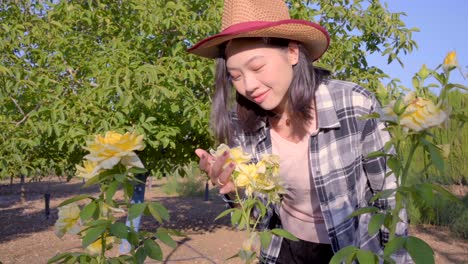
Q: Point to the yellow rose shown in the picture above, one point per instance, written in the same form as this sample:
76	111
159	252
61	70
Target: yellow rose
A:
68	220
271	159
96	247
89	169
236	155
421	114
450	61
244	174
112	148
272	162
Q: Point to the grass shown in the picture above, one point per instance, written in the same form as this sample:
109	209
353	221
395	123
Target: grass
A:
187	180
442	212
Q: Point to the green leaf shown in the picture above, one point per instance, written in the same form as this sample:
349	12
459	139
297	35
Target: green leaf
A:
58	257
100	222
153	250
366	256
163	235
128	189
262	208
416	83
344	253
88	210
394	245
119	230
133	238
75	199
175	232
111	189
237	255
435	154
419	251
236	217
376	154
140	255
225	212
158	211
364	210
447	194
394	164
98	178
136	210
135	170
265	239
92	234
376	223
382	195
120	178
284	233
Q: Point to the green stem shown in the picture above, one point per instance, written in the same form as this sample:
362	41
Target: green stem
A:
395	215
414	146
103	249
244	214
398	198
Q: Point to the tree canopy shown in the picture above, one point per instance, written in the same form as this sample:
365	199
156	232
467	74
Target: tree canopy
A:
71	69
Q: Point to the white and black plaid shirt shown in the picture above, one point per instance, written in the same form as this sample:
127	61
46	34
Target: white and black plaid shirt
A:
344	178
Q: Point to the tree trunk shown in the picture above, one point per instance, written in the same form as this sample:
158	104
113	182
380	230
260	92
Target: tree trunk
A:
23	192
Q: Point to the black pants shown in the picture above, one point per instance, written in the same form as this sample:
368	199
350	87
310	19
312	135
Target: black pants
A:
304	252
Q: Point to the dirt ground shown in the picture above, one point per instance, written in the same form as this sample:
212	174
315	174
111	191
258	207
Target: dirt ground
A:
27	236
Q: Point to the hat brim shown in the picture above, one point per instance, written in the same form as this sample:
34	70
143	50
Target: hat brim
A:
314	37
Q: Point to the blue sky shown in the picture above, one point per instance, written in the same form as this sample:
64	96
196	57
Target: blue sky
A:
443	27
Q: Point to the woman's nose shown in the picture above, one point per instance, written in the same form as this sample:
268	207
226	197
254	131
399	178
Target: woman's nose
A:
251	83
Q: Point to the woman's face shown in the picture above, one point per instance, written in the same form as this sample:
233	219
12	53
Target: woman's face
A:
261	73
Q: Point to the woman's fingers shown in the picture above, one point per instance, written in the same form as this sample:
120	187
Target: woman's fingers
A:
225	175
205	159
227	188
214	168
217	167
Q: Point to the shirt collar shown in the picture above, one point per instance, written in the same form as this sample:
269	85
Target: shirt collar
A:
326	112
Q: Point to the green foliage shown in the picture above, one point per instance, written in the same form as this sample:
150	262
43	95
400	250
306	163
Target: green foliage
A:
76	68
441	212
73	69
185	180
357	29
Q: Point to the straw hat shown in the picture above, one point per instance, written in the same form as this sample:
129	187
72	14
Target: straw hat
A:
263	18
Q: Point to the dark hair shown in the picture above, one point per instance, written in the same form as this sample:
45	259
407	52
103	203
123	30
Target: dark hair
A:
300	94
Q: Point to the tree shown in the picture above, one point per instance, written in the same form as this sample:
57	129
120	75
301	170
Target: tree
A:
71	69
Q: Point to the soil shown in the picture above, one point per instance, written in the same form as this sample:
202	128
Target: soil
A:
27	235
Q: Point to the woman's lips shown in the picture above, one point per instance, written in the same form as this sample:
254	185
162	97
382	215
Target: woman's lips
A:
261	97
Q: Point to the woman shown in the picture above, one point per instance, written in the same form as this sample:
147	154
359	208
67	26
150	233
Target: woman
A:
285	106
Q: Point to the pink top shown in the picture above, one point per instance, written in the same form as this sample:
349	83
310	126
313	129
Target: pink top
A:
300	211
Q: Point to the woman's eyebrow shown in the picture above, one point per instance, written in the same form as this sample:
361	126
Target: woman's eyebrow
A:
246	63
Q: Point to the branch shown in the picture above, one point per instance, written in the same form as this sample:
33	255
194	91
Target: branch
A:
27	116
17	105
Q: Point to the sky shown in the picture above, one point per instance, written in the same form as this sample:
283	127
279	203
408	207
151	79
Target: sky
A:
443	27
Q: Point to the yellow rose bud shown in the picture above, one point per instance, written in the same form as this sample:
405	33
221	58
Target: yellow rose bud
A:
68	220
450	61
96	247
89	169
423	72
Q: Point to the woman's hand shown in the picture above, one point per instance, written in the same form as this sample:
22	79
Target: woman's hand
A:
214	168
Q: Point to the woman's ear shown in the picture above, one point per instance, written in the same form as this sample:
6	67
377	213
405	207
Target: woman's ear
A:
293	52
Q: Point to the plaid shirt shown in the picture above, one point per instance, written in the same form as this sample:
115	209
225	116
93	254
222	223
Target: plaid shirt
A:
344	178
